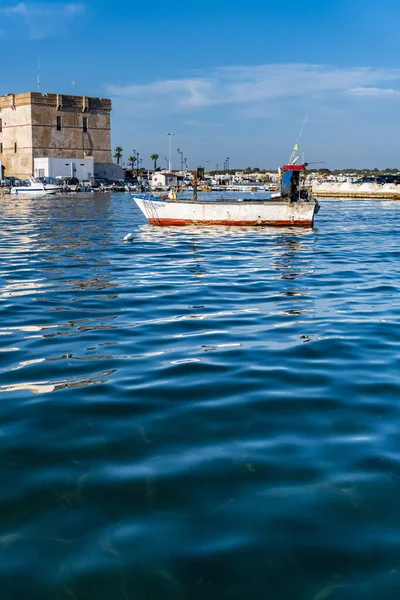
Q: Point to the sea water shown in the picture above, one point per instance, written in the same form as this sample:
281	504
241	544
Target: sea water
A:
204	413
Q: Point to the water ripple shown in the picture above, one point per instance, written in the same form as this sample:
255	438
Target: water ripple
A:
203	413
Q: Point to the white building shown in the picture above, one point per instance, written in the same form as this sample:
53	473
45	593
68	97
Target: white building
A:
81	168
164	180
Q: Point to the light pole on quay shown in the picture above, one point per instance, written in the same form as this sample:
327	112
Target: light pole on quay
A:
181	153
170	151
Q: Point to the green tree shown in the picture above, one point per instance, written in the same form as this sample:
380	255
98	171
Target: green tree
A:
154	158
118	153
132	160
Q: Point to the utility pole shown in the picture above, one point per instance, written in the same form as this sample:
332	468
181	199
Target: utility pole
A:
170	151
181	153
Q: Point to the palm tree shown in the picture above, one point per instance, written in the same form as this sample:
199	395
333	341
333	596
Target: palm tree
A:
154	158
132	160
118	153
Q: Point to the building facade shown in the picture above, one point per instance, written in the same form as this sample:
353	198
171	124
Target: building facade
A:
160	179
50	168
35	125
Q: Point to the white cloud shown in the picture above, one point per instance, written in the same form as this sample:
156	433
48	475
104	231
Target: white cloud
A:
375	92
253	86
39	20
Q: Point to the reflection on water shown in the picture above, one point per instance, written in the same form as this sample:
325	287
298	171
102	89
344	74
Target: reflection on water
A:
202	414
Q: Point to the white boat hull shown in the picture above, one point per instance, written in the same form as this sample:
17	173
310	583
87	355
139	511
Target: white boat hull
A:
262	213
28	191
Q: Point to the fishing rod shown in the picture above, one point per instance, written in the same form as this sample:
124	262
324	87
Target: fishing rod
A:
294	156
315	162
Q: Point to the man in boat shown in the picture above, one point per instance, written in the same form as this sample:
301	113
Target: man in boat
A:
290	183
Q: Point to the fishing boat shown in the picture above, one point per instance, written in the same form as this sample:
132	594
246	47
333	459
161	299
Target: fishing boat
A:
294	206
35	188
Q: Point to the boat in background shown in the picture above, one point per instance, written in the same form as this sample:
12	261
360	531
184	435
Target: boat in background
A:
294	206
35	188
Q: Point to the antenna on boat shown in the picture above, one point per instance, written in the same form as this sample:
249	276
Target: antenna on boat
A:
38	75
294	157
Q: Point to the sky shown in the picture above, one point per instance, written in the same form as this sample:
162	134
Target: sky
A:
229	79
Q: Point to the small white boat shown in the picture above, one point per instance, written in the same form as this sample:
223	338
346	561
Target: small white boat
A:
35	188
293	207
246	187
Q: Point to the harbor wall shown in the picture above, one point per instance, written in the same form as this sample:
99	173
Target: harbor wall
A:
389	191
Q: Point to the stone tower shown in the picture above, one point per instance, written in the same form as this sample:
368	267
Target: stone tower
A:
35	125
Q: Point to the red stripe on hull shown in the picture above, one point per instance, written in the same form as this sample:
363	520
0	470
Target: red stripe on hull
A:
258	223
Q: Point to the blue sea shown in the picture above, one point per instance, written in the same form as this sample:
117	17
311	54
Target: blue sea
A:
201	414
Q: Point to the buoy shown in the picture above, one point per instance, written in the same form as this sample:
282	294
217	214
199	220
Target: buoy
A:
128	238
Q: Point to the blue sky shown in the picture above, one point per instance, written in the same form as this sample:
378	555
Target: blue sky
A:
228	78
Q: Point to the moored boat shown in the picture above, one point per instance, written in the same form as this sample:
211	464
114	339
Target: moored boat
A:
35	188
294	206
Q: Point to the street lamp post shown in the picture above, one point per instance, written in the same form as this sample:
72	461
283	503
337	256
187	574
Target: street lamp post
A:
181	153
185	163
170	151
166	160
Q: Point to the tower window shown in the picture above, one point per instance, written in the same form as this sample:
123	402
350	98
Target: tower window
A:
15	147
85	124
58	123
1	147
1	125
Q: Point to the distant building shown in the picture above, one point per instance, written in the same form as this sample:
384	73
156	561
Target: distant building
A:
35	125
164	180
81	168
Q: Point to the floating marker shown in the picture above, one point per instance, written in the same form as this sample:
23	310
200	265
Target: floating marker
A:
128	238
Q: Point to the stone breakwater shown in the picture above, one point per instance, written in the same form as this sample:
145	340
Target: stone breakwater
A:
389	191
